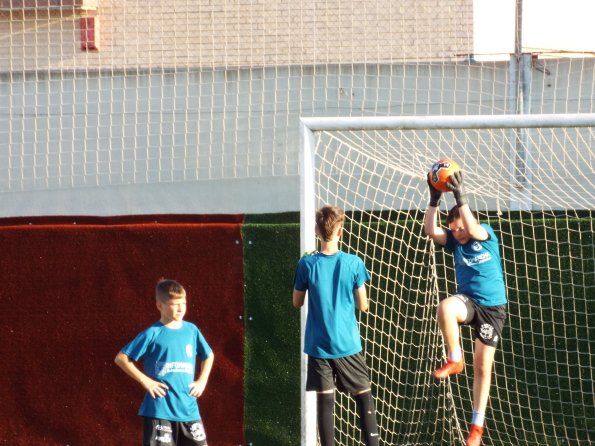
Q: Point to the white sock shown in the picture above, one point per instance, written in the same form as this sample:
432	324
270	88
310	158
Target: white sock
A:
455	355
478	418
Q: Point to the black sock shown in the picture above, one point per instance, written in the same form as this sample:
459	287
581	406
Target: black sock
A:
367	418
325	406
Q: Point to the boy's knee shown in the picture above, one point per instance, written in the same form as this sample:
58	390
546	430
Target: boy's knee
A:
445	310
481	370
451	308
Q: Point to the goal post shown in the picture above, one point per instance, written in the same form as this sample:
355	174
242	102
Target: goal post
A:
531	178
307	243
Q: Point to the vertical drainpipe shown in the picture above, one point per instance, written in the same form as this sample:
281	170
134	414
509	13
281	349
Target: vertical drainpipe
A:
519	67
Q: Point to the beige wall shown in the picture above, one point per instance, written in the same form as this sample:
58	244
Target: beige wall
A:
224	33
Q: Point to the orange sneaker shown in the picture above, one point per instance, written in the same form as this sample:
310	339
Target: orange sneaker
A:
475	433
450	368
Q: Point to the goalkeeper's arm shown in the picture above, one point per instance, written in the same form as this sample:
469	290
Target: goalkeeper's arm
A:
474	229
431	228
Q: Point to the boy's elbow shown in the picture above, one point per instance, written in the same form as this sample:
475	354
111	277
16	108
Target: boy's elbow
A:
298	298
120	359
430	231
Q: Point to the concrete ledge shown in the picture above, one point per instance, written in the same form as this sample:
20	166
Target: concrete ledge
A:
234	196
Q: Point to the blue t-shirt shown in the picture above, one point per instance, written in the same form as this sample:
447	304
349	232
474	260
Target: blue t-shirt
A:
478	268
331	325
169	356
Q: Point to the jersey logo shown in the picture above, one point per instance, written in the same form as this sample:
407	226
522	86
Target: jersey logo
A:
478	259
165	368
476	246
189	350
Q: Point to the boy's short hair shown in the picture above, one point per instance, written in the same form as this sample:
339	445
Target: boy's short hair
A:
453	214
167	289
327	219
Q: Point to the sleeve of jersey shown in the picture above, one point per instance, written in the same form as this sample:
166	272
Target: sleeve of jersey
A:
300	279
137	348
361	274
491	233
203	349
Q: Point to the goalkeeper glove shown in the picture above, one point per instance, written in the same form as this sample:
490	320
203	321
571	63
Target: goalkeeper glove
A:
435	194
456	186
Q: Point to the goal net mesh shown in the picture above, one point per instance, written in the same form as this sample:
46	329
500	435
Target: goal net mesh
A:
535	188
105	104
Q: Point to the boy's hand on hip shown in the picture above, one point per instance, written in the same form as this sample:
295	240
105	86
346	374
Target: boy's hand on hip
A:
197	388
155	388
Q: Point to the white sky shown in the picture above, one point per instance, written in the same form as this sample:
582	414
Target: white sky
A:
548	25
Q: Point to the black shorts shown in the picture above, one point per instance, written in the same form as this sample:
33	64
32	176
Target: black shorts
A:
486	321
173	433
349	374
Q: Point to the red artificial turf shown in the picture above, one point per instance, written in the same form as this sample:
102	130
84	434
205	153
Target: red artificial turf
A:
73	295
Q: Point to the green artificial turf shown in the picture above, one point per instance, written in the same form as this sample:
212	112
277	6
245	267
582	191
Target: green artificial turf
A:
550	273
272	348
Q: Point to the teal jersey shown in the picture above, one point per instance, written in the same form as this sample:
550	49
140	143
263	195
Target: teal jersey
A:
478	268
331	325
169	356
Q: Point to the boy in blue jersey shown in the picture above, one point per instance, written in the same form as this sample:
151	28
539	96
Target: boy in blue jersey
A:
169	349
336	286
480	299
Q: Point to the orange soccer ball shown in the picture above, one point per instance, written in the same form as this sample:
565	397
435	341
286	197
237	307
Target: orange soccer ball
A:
440	172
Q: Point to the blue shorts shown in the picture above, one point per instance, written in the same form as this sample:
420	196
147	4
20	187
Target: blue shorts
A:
173	433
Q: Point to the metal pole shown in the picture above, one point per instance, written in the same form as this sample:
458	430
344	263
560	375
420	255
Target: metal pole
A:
307	243
449	122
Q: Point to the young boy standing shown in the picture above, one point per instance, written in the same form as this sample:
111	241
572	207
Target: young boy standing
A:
169	349
335	282
480	300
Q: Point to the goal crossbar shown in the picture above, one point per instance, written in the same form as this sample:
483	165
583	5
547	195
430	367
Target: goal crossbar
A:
448	122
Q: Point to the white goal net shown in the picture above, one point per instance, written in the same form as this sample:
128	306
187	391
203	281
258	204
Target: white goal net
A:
111	107
535	187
